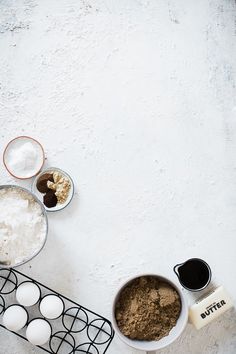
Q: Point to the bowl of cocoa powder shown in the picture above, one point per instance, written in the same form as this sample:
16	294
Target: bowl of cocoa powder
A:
149	312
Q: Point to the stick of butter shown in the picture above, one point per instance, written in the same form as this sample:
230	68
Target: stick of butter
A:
210	307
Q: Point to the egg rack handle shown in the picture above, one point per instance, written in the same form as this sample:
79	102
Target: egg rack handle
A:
78	329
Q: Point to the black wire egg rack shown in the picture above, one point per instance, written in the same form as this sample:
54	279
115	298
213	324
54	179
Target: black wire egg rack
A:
78	329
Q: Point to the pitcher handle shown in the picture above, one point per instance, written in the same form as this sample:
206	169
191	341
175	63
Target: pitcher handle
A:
175	267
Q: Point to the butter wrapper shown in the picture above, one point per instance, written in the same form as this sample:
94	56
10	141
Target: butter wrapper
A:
210	307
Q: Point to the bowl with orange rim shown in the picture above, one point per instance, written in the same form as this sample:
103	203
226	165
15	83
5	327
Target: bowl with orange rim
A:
23	157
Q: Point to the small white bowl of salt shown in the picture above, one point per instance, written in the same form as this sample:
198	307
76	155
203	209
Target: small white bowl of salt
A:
23	157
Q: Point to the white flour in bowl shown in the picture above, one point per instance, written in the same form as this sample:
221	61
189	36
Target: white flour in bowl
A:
22	226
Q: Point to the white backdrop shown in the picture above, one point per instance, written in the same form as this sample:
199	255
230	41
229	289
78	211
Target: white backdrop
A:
136	100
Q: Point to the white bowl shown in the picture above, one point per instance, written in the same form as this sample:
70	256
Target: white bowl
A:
41	195
165	341
31	256
16	143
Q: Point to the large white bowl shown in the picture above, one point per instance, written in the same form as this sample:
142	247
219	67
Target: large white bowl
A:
30	257
165	341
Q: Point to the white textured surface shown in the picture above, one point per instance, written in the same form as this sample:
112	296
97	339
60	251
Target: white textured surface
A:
136	99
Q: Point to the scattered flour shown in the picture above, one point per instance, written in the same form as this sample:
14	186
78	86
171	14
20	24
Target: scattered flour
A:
22	226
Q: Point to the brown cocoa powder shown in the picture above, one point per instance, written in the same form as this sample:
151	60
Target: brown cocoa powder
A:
147	309
42	182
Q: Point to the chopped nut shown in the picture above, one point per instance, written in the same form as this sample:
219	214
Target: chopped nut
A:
61	186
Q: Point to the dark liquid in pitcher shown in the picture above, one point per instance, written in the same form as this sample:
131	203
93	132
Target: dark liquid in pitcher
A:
194	274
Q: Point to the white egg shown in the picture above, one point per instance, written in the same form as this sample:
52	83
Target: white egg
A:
38	331
51	306
27	294
15	318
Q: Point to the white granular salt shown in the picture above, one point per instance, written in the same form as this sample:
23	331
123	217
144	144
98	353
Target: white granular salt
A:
22	226
24	160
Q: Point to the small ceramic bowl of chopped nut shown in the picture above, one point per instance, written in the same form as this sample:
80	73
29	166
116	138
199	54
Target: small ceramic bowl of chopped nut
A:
54	188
